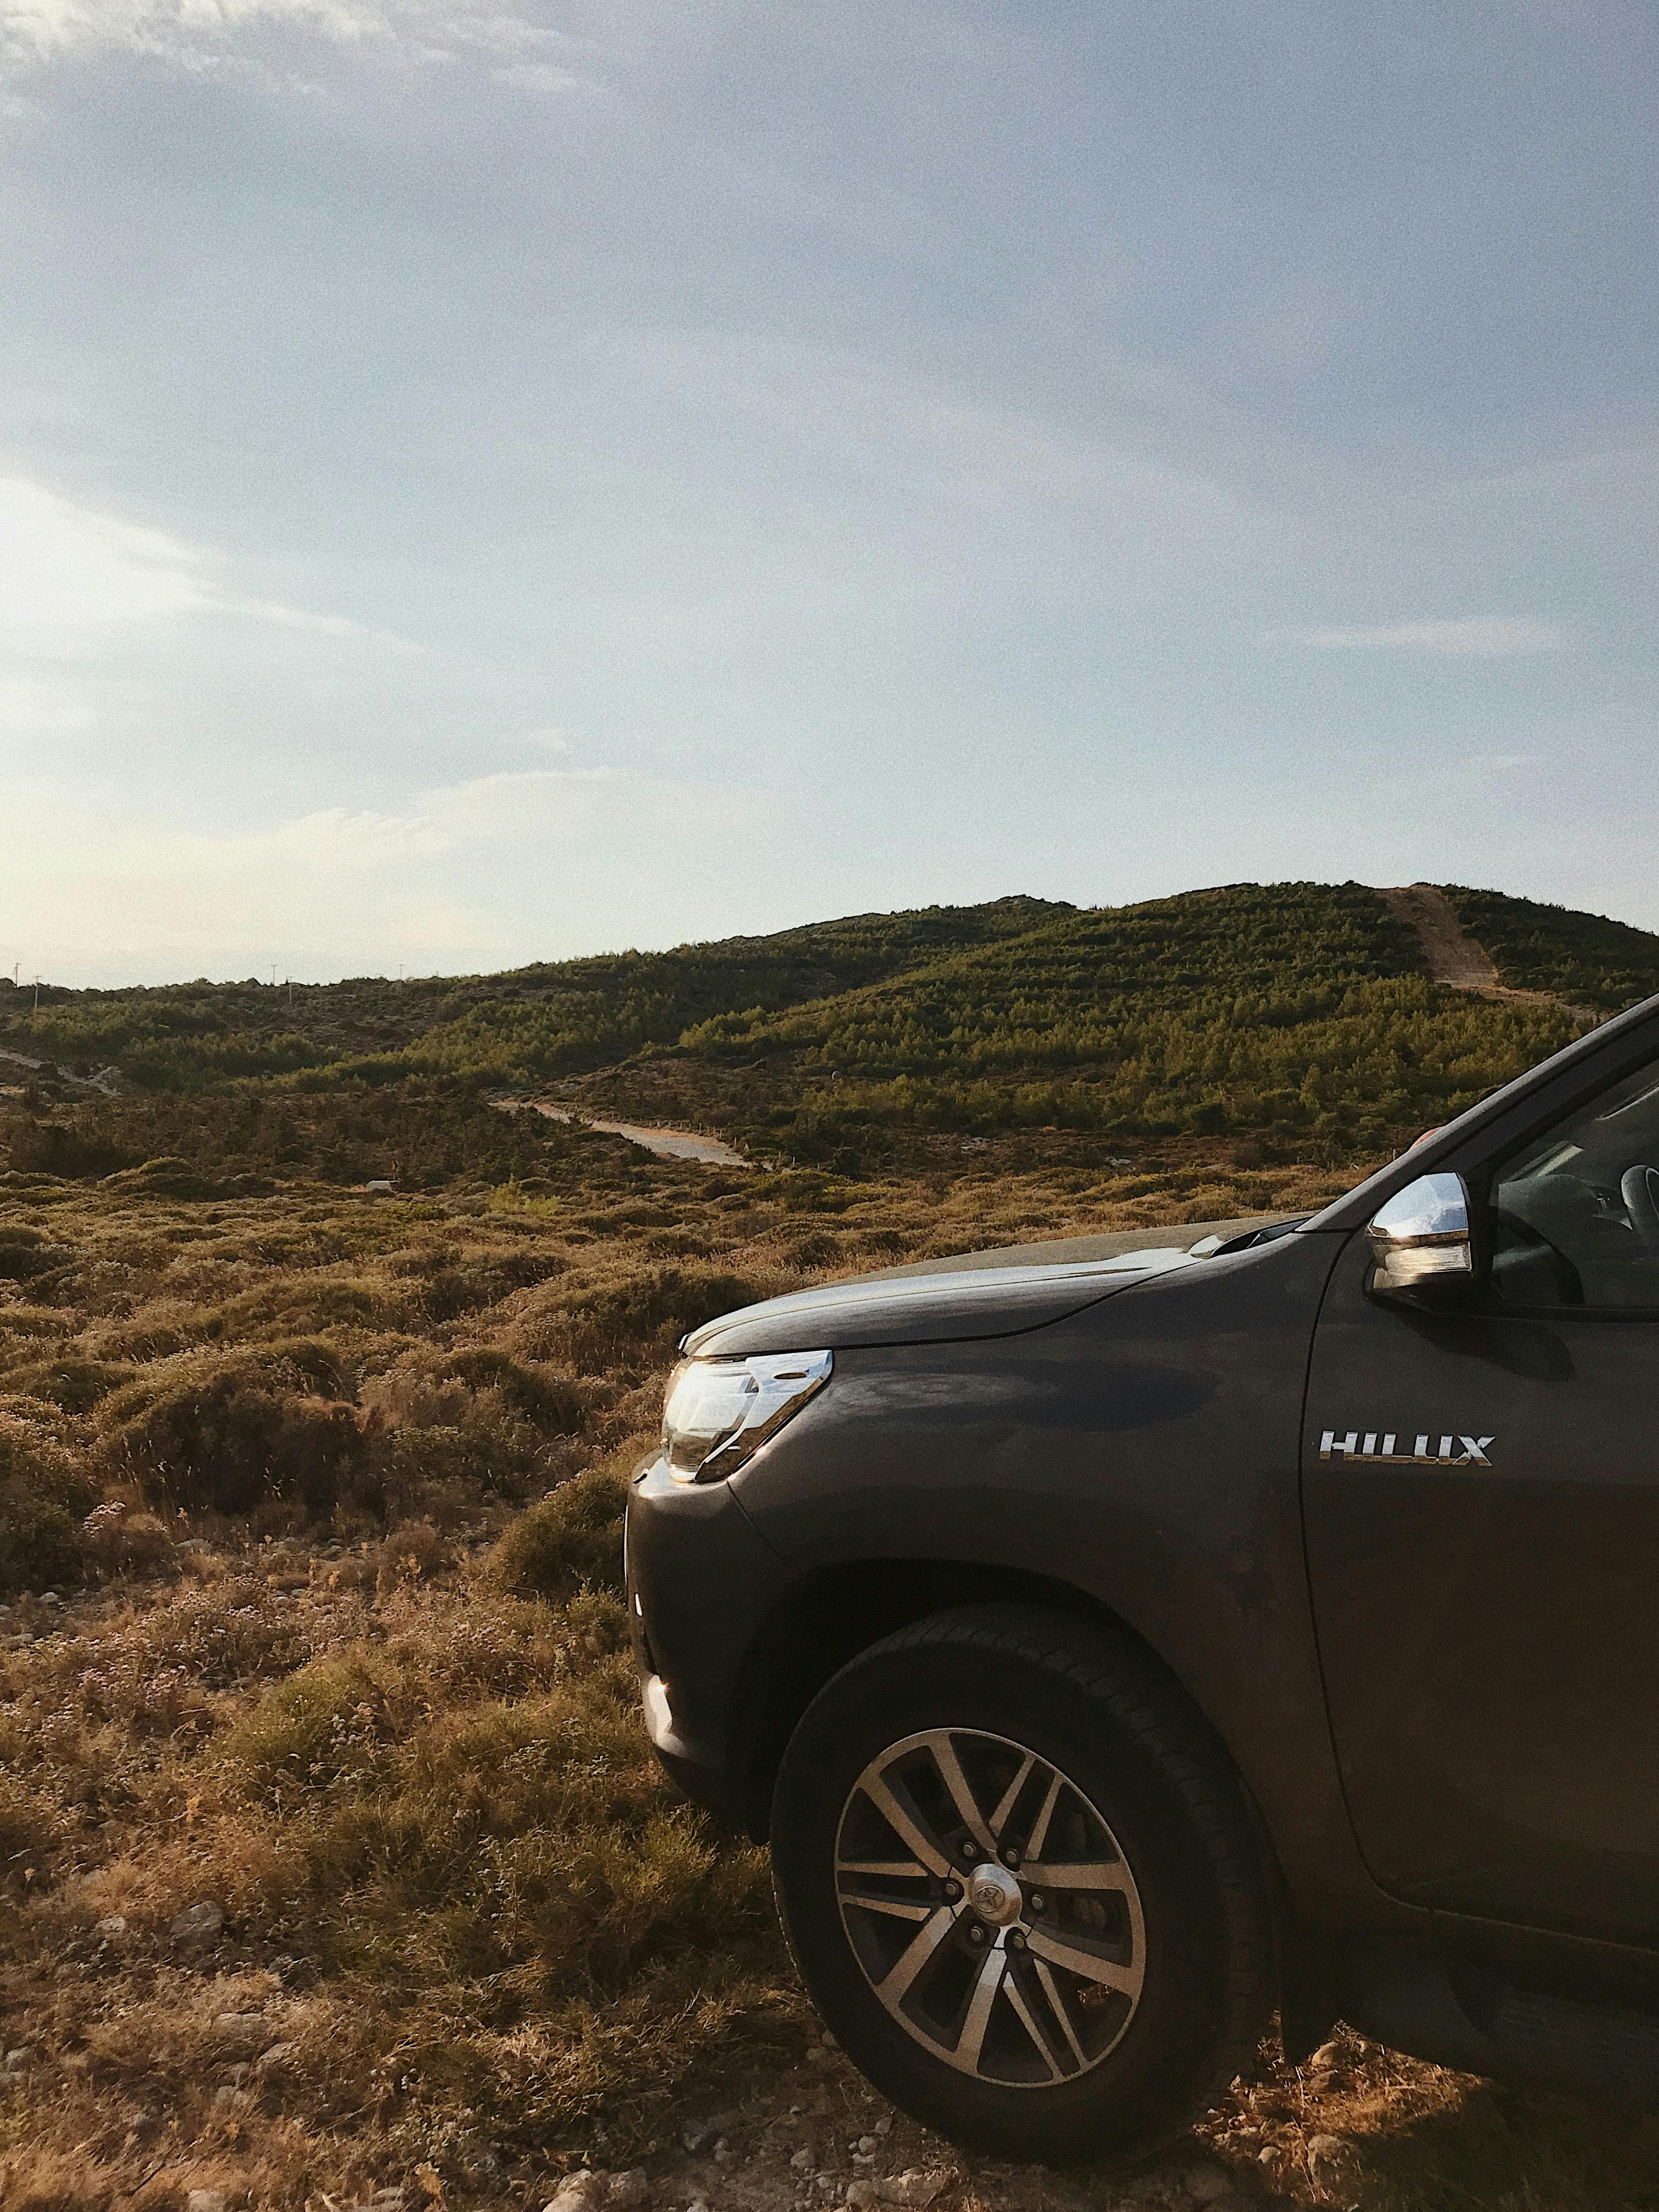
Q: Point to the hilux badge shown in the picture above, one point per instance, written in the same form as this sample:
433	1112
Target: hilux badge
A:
1372	1444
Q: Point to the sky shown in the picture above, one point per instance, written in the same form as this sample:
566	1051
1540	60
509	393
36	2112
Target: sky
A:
489	480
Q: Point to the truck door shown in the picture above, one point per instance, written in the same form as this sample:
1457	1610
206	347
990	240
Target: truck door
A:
1481	1503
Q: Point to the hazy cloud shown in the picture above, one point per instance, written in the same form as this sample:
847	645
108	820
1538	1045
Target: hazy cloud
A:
986	454
44	707
236	37
1501	763
1476	637
445	884
538	76
65	567
61	564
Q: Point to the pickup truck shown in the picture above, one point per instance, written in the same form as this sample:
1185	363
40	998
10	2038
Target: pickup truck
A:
1123	1641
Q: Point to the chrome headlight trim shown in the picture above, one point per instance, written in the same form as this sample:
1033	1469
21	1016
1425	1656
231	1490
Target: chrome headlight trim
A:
719	1413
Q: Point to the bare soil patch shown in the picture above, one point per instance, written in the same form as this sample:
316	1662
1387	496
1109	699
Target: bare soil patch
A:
666	1144
1455	958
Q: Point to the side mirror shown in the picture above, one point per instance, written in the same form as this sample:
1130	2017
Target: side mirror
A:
1421	1247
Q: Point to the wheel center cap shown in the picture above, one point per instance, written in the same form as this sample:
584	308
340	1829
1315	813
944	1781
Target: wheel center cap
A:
994	1895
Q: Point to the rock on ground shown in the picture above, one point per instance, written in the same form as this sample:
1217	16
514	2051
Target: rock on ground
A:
198	1924
915	2189
601	2193
1328	2158
1208	2185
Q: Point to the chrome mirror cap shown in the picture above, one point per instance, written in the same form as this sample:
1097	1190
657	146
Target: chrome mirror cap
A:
1422	1234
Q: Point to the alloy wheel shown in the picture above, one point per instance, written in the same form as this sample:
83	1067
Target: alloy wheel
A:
989	1907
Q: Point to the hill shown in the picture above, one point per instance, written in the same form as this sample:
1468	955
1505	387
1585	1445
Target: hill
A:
1300	1017
528	1024
1285	1010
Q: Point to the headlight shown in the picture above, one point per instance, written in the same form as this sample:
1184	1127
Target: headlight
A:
720	1412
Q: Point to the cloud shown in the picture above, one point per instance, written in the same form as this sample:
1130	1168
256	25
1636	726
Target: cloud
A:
533	864
40	709
64	566
984	453
1475	637
255	38
538	76
1500	764
60	563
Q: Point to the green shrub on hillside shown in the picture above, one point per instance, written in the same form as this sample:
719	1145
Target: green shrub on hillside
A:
621	1329
525	1026
1290	1008
326	1724
24	1252
74	1384
227	1445
418	1133
1297	1013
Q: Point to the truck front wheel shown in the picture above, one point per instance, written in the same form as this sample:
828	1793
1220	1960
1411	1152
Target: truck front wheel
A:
1020	1885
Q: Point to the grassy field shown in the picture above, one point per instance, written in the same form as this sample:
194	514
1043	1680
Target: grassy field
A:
309	1511
332	1862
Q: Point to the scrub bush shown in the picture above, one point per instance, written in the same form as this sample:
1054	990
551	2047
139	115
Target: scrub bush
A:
328	1724
227	1443
116	1540
76	1385
23	1252
573	1536
45	1495
30	1832
553	1401
638	1322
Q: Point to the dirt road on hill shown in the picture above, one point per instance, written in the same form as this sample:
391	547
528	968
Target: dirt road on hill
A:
668	1144
109	1080
1455	958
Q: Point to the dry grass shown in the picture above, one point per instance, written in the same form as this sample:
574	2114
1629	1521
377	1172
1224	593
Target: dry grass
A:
309	1508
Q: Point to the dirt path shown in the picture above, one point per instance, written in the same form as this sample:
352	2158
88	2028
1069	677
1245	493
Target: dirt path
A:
109	1080
668	1144
1455	958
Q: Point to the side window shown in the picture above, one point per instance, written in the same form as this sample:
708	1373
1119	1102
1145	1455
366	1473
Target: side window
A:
1576	1214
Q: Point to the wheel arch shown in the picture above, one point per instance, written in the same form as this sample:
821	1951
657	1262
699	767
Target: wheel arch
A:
834	1612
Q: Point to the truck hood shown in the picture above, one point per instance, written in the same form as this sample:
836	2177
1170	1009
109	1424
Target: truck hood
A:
974	1294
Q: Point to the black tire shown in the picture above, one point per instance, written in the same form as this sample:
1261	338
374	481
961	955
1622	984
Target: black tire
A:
993	1682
